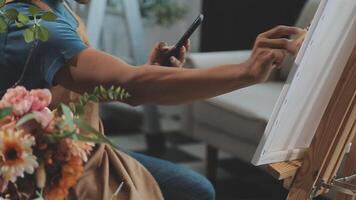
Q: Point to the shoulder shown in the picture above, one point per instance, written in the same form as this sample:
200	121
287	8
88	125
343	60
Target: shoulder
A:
63	37
59	29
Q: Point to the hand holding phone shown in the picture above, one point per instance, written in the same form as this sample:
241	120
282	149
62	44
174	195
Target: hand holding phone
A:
175	51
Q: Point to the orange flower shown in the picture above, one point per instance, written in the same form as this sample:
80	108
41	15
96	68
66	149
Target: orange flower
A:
16	156
80	149
71	172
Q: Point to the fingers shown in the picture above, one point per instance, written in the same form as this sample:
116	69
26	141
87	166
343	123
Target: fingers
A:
161	50
179	62
274	39
297	43
279	56
160	46
281	31
291	46
264	64
187	45
175	62
157	48
272	56
271	48
165	48
272	43
153	53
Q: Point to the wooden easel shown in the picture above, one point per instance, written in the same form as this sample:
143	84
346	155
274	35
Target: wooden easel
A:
316	173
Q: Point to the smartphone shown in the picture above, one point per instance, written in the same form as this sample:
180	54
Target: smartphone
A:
176	49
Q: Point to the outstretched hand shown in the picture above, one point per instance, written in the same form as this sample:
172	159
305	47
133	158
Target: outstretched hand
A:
160	50
271	48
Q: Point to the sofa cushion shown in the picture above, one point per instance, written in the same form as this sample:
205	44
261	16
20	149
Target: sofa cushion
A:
210	59
242	114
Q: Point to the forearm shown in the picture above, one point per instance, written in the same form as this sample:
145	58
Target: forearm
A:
167	86
150	83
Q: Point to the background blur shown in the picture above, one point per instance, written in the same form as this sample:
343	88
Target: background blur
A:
216	137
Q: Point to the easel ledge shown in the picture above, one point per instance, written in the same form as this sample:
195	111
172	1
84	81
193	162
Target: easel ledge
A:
309	177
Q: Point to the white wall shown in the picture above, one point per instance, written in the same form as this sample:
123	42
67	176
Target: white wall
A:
172	34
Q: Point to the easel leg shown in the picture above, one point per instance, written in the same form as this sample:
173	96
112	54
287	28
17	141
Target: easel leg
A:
212	154
350	168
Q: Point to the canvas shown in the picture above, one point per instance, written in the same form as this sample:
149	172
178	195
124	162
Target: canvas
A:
305	96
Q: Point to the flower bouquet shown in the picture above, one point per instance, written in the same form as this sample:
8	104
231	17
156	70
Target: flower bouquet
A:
43	152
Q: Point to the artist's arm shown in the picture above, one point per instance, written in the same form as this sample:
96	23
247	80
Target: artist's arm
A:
167	85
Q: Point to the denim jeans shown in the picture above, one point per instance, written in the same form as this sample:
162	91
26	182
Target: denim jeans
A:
176	182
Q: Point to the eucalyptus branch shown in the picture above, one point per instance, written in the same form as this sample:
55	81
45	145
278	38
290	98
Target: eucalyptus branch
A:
99	94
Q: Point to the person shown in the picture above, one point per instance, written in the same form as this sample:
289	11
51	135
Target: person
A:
68	61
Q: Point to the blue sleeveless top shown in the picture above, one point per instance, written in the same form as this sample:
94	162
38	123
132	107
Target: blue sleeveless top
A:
63	44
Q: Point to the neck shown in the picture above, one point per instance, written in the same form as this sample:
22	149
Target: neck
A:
8	1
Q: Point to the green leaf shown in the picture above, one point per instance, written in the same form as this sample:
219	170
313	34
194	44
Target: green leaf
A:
74	137
72	106
53	138
19	24
25	119
84	126
93	98
12	14
49	16
88	139
117	93
79	109
4	112
68	117
33	10
2	3
103	93
111	94
96	91
39	195
42	33
23	19
3	25
29	35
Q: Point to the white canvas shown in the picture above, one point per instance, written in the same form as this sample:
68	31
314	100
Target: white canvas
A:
315	74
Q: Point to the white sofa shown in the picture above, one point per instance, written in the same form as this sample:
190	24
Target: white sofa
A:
235	122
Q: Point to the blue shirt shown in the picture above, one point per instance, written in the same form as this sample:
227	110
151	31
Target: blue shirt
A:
64	43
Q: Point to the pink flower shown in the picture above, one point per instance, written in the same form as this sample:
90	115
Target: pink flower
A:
41	99
19	99
44	117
